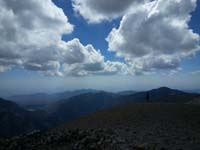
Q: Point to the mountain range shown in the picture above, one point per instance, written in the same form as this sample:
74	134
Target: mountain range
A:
83	104
41	100
18	118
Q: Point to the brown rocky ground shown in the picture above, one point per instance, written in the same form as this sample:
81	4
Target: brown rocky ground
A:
131	127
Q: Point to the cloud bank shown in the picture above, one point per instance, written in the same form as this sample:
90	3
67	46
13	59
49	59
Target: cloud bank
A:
152	35
80	60
156	35
31	33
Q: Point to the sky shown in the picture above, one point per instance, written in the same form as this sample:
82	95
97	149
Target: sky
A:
57	45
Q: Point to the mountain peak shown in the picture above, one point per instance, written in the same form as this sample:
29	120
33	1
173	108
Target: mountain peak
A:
164	88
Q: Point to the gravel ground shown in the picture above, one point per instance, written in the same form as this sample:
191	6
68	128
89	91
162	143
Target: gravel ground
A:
131	127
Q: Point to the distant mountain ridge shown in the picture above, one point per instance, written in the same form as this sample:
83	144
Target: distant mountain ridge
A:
128	92
68	109
41	100
83	104
163	95
15	119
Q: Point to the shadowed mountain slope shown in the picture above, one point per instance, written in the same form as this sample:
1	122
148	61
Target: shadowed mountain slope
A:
83	104
172	126
14	120
136	126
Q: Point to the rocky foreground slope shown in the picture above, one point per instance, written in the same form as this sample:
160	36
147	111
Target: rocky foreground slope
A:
130	127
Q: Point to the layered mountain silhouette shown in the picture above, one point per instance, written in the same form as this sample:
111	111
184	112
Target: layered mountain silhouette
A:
83	104
129	92
162	95
15	119
41	100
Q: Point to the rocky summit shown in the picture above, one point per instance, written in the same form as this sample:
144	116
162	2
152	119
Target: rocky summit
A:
74	139
130	127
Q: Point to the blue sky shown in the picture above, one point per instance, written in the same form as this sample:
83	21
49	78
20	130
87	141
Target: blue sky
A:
181	73
94	34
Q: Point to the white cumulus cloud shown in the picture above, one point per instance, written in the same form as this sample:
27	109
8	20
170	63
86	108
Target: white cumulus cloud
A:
29	31
31	37
155	35
80	60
